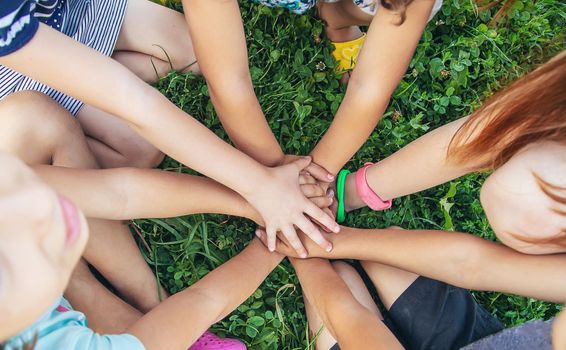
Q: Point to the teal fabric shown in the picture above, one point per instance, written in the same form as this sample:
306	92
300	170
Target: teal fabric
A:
63	328
301	6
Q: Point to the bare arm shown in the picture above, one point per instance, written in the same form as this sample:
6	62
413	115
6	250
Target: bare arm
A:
130	193
456	258
108	85
349	322
394	176
223	58
382	62
182	318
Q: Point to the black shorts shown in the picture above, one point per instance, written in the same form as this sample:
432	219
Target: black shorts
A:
434	315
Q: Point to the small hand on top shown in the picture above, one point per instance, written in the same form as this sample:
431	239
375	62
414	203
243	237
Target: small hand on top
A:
282	203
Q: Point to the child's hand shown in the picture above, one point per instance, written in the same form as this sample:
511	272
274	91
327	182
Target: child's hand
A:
284	247
315	192
283	206
313	169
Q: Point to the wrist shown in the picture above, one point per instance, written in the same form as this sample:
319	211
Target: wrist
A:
352	200
261	252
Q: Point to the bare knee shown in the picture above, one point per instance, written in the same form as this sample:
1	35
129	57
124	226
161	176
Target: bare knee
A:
148	157
40	113
32	117
345	270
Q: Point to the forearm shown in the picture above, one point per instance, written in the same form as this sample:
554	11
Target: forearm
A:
109	86
354	122
185	316
123	194
456	258
349	322
223	58
394	176
381	64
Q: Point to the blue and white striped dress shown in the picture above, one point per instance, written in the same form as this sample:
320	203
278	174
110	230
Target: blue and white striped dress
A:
95	23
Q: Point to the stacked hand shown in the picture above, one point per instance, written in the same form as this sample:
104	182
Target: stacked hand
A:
282	200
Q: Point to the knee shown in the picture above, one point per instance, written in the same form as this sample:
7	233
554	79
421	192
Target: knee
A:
344	270
150	159
145	157
40	115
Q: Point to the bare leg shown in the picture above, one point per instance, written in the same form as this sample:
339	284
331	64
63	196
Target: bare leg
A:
342	20
114	143
39	131
31	118
390	282
105	311
347	319
153	40
559	331
114	253
356	285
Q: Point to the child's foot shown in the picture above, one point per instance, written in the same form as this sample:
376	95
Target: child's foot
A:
347	45
210	341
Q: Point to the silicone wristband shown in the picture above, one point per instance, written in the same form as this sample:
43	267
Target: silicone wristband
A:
340	182
367	194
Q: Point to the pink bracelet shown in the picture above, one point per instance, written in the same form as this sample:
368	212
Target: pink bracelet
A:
366	193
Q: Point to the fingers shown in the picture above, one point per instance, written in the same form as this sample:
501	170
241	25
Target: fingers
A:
319	172
283	246
323	218
312	191
260	233
322	202
305	179
314	233
271	238
291	235
301	163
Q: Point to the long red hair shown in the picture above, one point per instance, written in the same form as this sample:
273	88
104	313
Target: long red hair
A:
532	109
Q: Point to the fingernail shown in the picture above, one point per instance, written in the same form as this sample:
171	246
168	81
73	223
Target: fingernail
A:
307	158
303	255
336	228
330	193
331	200
328	248
330	177
257	234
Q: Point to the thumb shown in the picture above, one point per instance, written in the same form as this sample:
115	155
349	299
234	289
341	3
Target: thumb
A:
302	163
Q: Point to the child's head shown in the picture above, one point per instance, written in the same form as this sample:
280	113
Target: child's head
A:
520	133
42	236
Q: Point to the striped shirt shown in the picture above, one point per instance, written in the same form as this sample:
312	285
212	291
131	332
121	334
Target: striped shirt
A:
94	23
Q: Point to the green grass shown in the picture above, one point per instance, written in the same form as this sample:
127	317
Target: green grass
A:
460	61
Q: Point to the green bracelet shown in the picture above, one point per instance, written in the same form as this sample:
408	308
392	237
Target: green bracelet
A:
340	182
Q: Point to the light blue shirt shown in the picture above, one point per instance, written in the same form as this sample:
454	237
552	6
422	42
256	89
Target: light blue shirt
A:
63	328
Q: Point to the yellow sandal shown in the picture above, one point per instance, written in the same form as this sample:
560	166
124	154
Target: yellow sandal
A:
346	53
